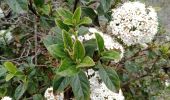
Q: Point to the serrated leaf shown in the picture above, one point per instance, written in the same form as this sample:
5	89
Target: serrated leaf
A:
100	42
61	25
110	55
18	6
57	51
86	62
65	13
67	68
10	67
80	86
60	83
85	20
9	77
77	15
109	77
79	51
68	43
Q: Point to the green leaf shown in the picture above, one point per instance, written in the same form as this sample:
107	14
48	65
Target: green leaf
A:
2	71
68	43
37	97
45	9
60	83
110	55
80	86
86	62
57	51
104	6
18	6
20	90
79	51
68	22
61	25
38	3
90	47
65	13
77	15
10	67
100	42
109	77
85	20
67	68
9	77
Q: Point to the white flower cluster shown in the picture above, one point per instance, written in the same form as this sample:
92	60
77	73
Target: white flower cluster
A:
49	95
1	13
134	23
6	98
109	42
5	34
98	89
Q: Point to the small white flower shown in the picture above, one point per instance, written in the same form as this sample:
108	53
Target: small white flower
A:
5	34
134	23
6	98
98	89
167	83
49	94
1	13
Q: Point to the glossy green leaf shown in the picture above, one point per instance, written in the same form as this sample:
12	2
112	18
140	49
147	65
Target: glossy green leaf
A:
18	6
61	25
65	13
100	42
85	20
57	51
77	15
86	62
60	83
9	77
68	43
79	50
67	68
10	67
109	77
110	55
68	22
80	86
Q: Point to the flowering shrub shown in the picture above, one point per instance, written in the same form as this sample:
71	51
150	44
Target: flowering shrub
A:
81	49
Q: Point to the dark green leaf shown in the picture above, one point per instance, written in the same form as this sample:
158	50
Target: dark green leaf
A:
67	68
110	55
109	77
18	6
86	62
37	97
38	3
10	67
79	51
77	15
68	43
20	90
90	47
80	86
100	42
65	13
2	71
61	25
104	6
57	51
60	83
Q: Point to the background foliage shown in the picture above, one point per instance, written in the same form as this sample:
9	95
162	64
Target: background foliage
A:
27	69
